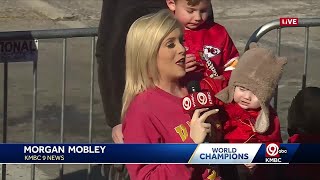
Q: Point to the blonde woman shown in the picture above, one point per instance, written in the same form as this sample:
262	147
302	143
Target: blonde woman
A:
152	111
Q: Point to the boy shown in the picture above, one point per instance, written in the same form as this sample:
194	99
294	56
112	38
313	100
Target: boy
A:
249	118
210	50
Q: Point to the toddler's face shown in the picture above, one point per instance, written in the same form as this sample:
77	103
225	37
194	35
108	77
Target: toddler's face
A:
245	98
190	16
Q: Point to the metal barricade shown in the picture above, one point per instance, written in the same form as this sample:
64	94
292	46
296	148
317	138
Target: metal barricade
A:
275	24
48	34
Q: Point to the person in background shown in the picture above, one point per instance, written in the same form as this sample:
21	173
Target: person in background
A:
116	18
304	127
210	50
152	110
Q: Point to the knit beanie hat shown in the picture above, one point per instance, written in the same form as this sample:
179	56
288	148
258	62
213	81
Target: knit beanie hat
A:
304	112
259	71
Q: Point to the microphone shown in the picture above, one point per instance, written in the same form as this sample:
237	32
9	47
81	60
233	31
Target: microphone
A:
196	99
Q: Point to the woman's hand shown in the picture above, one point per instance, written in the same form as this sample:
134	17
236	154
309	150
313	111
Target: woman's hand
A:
198	128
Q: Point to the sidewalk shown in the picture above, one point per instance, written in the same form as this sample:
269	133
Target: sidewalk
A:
23	172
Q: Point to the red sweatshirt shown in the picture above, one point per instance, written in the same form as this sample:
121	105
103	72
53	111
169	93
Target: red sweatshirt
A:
155	116
237	128
213	47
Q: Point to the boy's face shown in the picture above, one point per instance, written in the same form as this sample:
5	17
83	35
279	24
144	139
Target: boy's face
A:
190	16
245	98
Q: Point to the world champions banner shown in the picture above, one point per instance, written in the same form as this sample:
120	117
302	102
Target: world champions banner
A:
225	153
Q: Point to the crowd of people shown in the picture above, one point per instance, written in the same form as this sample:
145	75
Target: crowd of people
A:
149	50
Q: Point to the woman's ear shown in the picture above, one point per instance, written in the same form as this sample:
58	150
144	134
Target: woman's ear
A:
171	5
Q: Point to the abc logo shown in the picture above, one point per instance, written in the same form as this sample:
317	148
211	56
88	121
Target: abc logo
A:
186	103
273	150
202	98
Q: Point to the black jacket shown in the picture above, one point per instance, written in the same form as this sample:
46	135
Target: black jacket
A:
116	19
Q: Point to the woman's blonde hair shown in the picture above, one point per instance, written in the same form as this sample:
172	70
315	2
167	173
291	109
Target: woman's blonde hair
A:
143	42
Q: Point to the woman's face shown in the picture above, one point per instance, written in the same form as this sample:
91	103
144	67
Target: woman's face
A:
171	57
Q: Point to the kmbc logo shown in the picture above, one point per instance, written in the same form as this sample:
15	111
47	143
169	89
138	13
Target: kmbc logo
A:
273	152
202	98
186	103
197	100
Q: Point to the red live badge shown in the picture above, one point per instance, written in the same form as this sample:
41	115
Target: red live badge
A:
284	22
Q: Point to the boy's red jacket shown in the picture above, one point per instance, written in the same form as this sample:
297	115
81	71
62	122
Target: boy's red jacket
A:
211	40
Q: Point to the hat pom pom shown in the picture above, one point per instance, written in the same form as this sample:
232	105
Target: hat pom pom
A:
253	45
